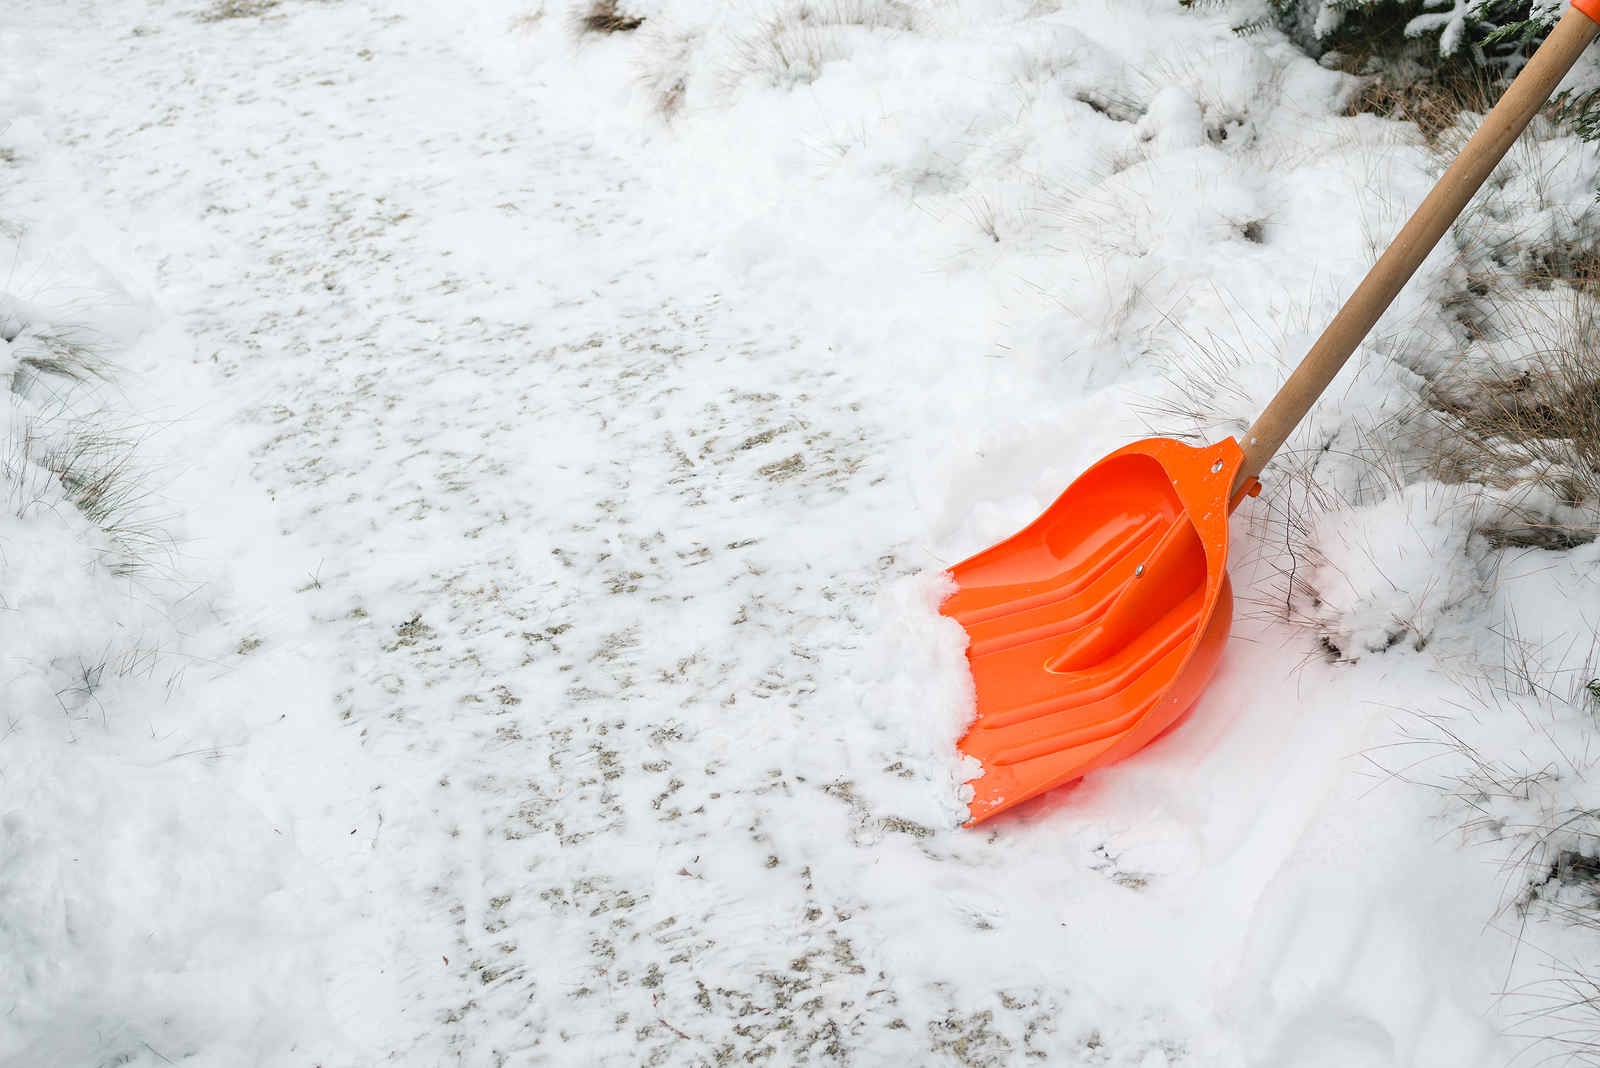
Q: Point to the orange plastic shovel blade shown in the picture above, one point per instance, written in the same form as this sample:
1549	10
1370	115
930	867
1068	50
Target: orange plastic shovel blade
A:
1096	627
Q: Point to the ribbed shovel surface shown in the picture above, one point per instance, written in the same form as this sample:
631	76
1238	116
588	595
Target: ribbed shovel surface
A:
1097	626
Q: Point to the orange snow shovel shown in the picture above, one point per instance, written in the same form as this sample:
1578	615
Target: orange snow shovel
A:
1095	628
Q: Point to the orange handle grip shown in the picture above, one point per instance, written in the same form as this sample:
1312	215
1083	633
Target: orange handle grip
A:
1588	7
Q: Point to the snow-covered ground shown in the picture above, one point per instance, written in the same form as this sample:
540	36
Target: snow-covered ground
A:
516	639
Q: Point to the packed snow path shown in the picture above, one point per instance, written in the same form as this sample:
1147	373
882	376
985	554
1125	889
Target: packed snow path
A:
613	576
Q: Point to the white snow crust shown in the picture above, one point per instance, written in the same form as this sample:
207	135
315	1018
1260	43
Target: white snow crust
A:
519	643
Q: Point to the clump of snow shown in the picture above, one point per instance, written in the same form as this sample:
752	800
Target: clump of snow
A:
1389	572
926	700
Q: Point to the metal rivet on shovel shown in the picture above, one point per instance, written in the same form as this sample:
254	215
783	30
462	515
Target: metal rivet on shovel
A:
1075	665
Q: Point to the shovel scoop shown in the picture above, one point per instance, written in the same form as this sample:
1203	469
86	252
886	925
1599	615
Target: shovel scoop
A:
1096	627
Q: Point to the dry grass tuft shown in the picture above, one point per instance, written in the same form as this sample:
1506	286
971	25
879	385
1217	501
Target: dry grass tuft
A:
56	455
664	67
1402	76
92	470
222	10
1533	801
1435	103
669	96
604	16
1531	430
67	353
985	217
1529	798
792	48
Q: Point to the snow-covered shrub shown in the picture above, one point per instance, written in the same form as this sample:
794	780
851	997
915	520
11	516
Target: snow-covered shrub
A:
1513	395
1428	60
1527	425
1494	29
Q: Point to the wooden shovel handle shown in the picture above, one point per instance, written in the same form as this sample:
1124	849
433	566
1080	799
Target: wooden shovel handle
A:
1421	232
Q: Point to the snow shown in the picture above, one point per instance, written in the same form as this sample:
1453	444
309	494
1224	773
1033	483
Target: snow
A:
546	452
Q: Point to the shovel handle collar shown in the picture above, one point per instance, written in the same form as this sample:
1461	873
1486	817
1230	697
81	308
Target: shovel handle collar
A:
1526	95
